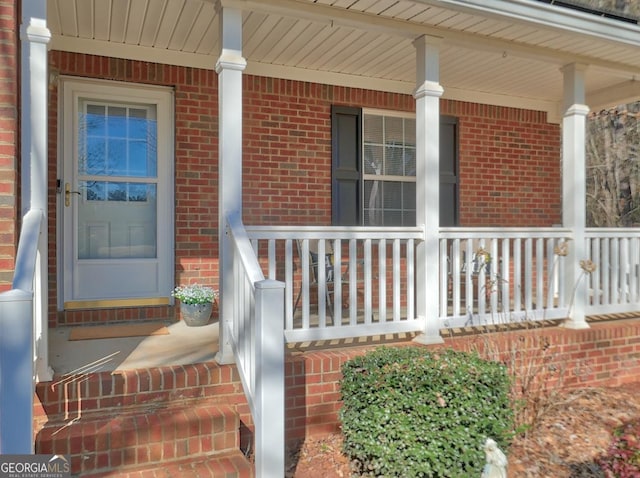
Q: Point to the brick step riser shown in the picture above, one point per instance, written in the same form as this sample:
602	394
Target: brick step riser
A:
69	397
229	465
149	437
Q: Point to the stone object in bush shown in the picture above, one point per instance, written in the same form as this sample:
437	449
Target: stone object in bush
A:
496	466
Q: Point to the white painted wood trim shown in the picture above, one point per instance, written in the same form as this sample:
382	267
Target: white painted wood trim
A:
574	185
427	97
354	331
230	66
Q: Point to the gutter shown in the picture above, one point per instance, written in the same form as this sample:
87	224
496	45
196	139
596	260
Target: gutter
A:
548	16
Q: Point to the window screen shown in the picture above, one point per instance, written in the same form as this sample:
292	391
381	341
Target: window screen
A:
389	170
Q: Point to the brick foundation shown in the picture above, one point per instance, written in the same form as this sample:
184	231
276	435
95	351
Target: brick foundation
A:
188	397
607	354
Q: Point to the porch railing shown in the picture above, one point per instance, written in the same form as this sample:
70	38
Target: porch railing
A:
258	344
346	282
614	285
487	276
490	276
358	281
20	338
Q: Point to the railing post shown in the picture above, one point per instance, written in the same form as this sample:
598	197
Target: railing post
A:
427	95
34	38
229	68
269	439
16	372
573	189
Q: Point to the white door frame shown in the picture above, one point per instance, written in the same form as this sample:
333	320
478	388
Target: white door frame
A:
70	90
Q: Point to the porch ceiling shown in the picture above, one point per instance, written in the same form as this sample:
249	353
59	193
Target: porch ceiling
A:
495	52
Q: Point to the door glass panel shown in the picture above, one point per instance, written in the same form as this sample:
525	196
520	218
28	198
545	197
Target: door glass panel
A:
117	204
117	220
117	141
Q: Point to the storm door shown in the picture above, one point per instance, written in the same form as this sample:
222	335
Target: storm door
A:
116	195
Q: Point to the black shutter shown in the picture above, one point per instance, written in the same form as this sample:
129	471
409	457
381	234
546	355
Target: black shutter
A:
448	171
346	163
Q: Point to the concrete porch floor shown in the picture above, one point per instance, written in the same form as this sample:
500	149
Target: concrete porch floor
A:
183	345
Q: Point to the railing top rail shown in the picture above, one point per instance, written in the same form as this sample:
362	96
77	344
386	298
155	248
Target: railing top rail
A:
334	232
244	249
504	232
359	232
612	232
27	253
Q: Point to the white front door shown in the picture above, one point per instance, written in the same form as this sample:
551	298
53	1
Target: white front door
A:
116	194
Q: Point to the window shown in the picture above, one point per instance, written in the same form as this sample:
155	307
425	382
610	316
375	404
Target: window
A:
374	168
117	176
116	140
389	170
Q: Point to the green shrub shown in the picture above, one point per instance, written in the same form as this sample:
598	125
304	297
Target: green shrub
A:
414	413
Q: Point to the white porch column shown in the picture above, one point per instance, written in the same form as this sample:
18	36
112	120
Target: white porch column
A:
34	37
573	188
427	95
229	67
20	339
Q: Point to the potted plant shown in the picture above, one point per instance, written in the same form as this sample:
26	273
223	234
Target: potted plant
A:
196	303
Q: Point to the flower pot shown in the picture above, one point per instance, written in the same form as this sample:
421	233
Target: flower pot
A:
195	315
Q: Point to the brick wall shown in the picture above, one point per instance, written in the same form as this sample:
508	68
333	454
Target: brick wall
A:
287	139
9	206
607	354
510	170
509	160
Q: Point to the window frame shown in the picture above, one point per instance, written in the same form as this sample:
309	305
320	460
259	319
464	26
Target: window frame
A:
385	178
347	165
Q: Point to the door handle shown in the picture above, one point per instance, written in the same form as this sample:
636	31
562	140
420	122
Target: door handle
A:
67	194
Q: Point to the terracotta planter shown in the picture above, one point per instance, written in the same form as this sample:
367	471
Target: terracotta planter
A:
195	315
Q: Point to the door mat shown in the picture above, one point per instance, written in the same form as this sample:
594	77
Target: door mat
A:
117	331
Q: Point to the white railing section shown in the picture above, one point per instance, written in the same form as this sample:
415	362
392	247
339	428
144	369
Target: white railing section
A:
353	282
20	338
491	276
258	343
366	286
614	285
